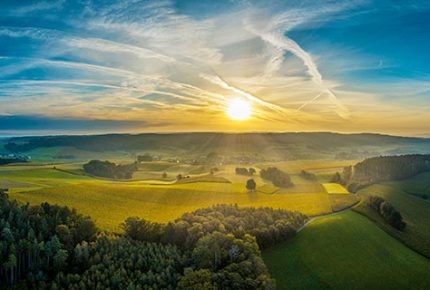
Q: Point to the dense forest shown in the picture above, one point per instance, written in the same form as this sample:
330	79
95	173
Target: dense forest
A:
267	225
37	241
109	169
383	168
277	177
52	247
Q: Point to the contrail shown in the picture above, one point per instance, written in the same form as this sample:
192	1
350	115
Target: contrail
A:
278	40
274	34
220	82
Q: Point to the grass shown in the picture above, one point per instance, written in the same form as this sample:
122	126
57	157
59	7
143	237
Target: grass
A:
346	251
313	166
156	166
43	176
418	186
342	201
335	188
415	211
203	178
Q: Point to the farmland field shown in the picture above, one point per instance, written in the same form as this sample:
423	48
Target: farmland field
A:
346	251
335	188
110	202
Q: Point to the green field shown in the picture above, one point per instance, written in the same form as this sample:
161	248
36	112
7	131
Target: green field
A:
418	186
415	211
346	251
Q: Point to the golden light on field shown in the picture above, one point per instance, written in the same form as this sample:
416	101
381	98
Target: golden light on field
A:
239	109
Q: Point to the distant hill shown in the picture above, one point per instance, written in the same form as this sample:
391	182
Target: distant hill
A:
384	168
281	145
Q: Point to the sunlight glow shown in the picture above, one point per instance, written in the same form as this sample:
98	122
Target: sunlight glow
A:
239	109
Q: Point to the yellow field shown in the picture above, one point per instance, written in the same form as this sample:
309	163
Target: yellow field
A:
110	202
335	188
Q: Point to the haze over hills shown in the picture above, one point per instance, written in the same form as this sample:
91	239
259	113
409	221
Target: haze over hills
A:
273	145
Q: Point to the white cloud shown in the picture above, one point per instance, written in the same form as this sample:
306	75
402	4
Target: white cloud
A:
135	59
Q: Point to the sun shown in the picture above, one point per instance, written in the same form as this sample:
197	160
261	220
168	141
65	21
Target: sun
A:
239	109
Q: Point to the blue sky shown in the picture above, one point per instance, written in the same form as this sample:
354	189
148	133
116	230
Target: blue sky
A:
153	66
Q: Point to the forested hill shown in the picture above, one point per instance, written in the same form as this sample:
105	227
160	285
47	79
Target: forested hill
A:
384	168
243	142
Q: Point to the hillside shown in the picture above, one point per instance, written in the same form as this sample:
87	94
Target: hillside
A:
405	196
346	251
274	146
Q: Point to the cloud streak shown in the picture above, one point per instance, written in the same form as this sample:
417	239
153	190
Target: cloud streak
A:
275	34
141	60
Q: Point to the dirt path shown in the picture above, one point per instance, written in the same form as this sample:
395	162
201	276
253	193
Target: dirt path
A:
322	216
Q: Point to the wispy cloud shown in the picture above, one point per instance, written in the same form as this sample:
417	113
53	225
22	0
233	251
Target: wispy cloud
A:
275	33
141	60
37	6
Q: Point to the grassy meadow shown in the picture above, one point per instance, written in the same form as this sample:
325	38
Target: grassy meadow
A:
415	210
346	251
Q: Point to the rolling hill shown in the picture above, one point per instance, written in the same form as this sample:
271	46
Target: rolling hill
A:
256	145
346	251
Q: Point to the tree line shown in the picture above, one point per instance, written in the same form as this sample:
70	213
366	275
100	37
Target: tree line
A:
37	241
110	170
223	240
269	226
53	247
387	212
383	168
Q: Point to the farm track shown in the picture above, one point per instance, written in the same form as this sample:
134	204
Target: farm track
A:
314	218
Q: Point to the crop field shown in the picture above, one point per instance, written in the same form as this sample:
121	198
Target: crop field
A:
111	204
155	198
335	188
346	251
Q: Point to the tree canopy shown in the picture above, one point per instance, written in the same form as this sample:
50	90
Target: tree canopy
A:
276	176
109	169
53	247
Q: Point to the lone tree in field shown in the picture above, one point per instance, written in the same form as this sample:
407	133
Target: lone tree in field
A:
164	175
179	176
251	185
